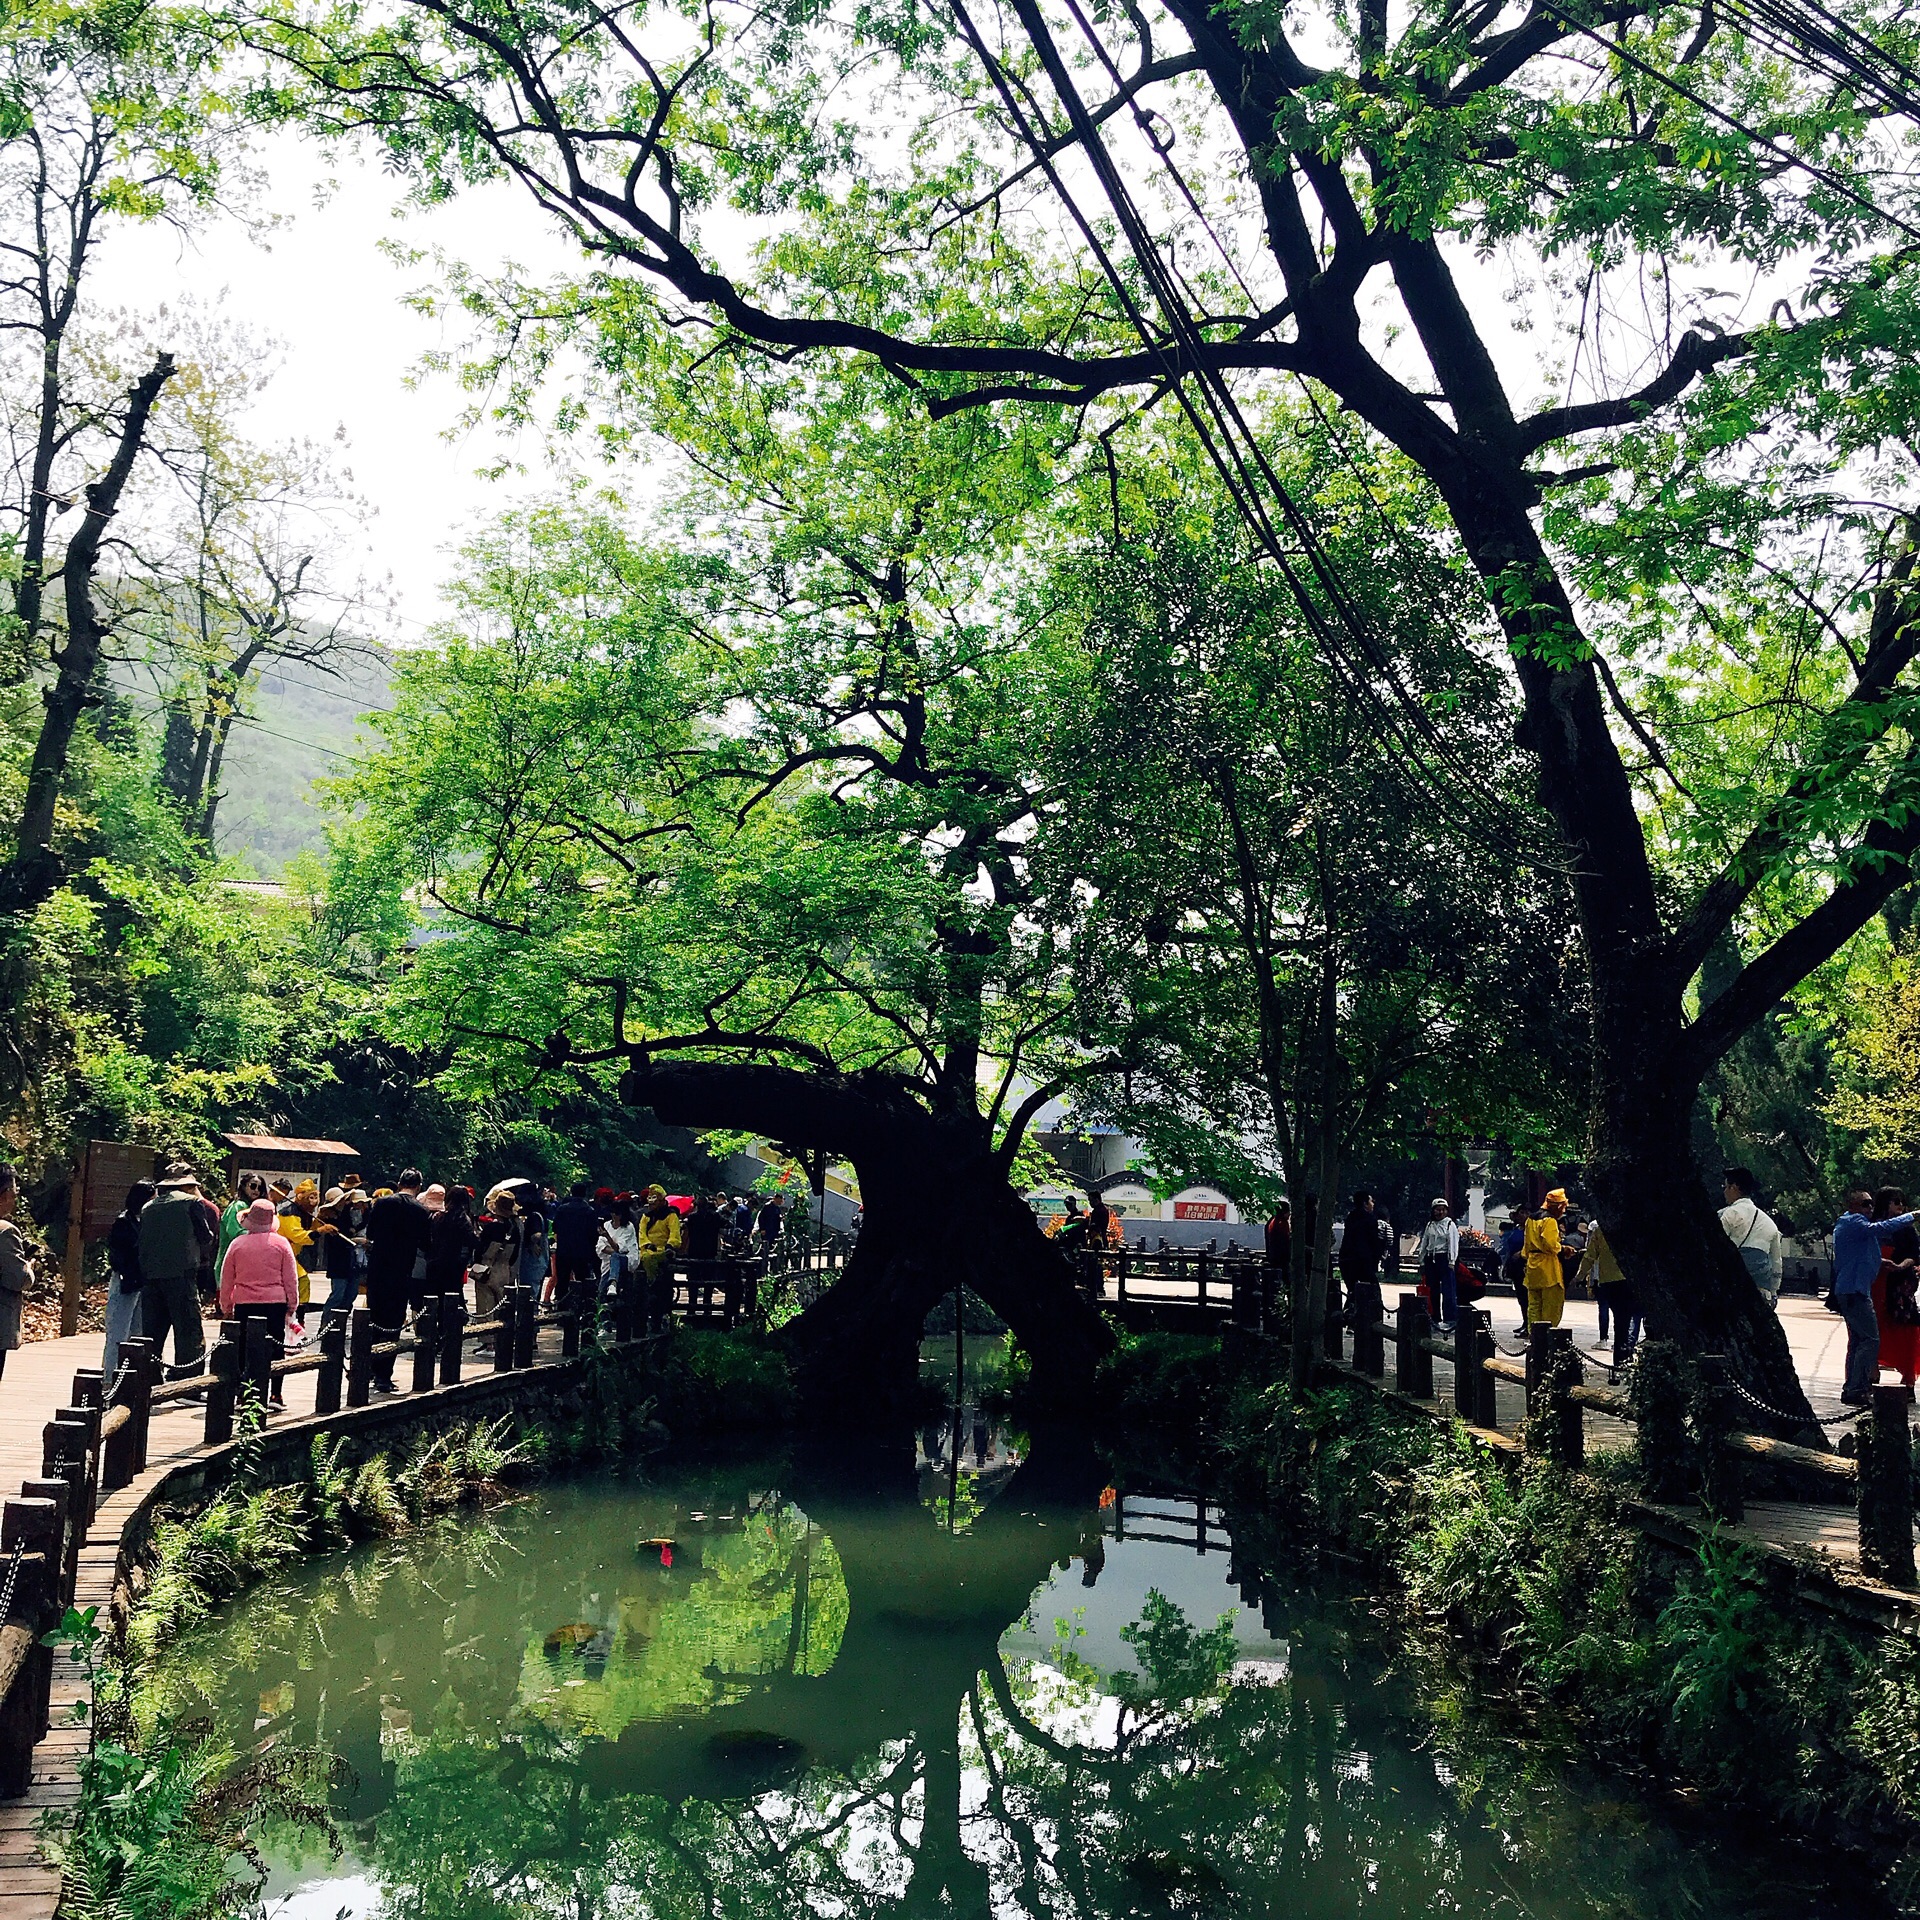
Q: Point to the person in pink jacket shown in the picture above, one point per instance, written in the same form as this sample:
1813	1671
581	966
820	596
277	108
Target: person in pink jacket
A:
259	1265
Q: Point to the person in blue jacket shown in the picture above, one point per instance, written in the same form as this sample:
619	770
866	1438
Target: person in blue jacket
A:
1856	1265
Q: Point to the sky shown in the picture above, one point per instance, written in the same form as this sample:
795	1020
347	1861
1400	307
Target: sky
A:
319	284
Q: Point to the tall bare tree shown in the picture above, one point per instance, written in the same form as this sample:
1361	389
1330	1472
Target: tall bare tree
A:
112	115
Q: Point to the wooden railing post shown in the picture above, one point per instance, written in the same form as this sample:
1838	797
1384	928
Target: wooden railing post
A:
24	1712
1540	1349
1412	1363
257	1350
426	1343
1485	1406
333	1366
1466	1364
1201	1268
1886	1489
116	1450
66	1566
1556	1424
453	1337
360	1357
224	1365
506	1312
143	1372
84	1424
1369	1346
526	1329
570	1330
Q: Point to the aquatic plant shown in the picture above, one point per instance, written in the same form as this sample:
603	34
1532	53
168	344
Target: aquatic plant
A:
162	1828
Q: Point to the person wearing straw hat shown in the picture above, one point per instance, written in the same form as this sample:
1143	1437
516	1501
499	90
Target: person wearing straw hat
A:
175	1237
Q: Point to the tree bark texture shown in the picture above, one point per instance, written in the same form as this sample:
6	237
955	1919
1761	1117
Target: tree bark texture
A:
939	1214
34	871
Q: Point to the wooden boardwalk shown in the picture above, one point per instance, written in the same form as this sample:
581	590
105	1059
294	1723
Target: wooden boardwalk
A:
38	1379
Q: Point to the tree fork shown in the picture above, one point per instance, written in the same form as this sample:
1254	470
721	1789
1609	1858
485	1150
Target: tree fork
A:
939	1214
34	871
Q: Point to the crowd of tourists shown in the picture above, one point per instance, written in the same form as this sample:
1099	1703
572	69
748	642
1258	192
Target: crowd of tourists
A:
174	1250
1543	1252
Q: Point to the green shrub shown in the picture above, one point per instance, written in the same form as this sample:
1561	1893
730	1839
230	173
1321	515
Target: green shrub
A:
1886	1725
1172	1379
715	1380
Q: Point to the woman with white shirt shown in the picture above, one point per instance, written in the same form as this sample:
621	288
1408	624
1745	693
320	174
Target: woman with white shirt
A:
619	1245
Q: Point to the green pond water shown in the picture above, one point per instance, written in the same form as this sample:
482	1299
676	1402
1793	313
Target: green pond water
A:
839	1682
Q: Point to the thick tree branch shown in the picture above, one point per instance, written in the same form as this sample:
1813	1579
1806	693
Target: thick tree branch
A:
1770	976
1698	353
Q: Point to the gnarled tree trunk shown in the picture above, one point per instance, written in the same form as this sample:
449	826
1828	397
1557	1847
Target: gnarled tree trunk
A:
939	1214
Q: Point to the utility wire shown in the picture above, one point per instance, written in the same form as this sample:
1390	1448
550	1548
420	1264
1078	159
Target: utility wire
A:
1226	436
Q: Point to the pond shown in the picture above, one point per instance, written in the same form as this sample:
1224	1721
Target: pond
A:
981	1680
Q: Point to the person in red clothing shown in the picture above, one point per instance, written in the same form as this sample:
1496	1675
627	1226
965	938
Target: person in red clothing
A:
1894	1291
259	1267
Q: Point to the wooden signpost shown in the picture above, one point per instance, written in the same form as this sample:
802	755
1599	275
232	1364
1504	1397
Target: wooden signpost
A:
106	1171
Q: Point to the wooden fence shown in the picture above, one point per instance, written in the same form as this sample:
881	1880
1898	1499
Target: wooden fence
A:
98	1444
1879	1480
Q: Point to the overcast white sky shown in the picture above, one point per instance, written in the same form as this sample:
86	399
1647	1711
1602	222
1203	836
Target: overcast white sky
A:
320	285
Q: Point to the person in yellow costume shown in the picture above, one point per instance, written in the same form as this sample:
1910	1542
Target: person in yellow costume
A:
294	1210
659	1229
1545	1279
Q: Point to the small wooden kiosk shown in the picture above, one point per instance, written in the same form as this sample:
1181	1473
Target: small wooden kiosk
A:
327	1163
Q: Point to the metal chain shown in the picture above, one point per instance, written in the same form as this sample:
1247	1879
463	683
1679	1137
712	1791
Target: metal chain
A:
13	1576
1760	1406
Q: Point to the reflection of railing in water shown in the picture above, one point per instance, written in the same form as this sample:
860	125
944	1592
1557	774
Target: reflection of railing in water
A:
1198	1522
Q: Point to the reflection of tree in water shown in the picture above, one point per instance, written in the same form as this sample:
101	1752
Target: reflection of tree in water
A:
920	1772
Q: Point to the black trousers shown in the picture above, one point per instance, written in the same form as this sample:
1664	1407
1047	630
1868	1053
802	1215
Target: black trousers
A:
387	1302
172	1305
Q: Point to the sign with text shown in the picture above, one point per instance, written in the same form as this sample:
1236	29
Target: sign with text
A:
111	1169
1199	1209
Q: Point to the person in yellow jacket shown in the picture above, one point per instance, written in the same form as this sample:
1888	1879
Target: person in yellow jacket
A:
294	1210
659	1231
1545	1279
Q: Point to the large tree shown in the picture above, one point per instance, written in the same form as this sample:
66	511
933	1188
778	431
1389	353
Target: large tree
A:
742	820
1279	905
108	114
1190	198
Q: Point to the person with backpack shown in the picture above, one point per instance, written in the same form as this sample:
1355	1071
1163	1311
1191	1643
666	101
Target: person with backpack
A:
1753	1233
175	1237
123	1267
574	1234
1613	1291
1513	1261
450	1240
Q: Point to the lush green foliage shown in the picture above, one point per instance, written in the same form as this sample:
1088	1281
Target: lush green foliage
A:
712	1382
